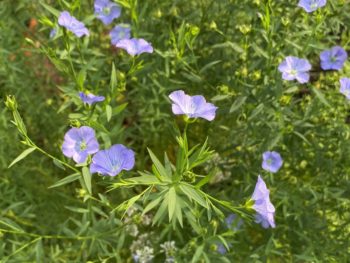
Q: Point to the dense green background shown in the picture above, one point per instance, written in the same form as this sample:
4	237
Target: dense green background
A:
227	51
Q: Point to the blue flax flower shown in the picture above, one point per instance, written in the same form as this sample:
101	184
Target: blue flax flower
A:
53	33
119	32
233	222
345	87
90	98
221	249
293	68
272	161
113	160
312	5
72	24
333	58
135	46
107	11
192	106
79	143
262	205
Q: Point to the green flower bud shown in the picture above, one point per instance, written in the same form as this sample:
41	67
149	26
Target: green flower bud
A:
189	177
11	103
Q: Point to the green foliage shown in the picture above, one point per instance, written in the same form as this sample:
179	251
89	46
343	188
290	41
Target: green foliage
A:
228	51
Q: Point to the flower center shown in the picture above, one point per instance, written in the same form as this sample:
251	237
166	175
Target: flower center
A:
269	161
83	145
293	72
106	10
333	59
313	4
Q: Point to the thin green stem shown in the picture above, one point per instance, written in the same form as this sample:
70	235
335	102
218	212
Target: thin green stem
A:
52	157
70	57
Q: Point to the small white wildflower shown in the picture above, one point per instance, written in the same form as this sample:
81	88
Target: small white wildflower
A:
146	220
132	230
169	249
143	255
142	240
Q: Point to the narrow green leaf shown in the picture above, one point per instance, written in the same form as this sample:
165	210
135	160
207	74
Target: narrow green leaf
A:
162	209
58	164
96	125
197	254
11	224
144	179
178	210
193	222
171	202
206	179
123	3
77	209
223	241
113	82
22	155
220	97
321	97
260	51
152	204
193	194
87	179
208	66
256	111
108	112
66	180
160	168
81	78
238	103
52	10
302	137
119	108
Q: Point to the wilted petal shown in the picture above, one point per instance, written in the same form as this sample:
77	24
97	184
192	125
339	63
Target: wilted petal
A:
192	106
90	98
135	46
345	87
72	24
262	205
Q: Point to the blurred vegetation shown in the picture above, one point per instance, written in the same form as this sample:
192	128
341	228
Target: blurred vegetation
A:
227	51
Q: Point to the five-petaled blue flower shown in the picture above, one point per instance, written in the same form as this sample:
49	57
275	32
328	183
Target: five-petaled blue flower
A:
192	106
107	11
345	87
90	98
333	58
113	160
295	68
262	205
79	143
135	46
119	32
272	161
72	24
312	5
